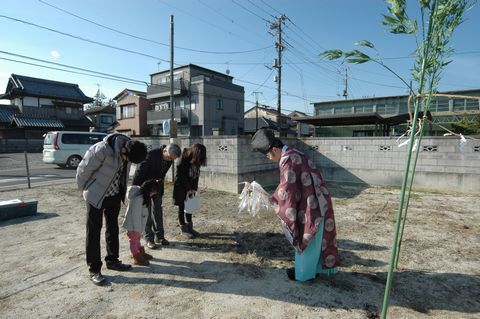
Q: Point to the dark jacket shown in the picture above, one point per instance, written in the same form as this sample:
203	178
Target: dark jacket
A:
153	167
98	167
186	179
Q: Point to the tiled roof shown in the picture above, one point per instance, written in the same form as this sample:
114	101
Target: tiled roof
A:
250	124
80	122
20	85
21	121
7	112
101	109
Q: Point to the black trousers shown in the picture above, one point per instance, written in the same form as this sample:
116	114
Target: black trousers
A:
182	215
154	226
110	208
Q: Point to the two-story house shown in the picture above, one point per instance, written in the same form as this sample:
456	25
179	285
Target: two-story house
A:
132	107
264	116
204	101
38	106
102	117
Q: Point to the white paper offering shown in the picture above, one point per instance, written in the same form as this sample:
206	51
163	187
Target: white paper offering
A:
253	198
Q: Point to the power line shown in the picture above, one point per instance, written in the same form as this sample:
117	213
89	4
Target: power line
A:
248	10
111	76
266	4
268	77
217	11
205	21
149	40
261	9
74	72
84	39
69	66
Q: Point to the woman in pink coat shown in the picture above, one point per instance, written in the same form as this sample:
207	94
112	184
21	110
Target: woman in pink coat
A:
303	204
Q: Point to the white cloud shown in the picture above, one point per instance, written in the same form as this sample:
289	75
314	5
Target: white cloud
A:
55	54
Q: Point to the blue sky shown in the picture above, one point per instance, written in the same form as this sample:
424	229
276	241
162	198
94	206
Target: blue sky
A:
225	30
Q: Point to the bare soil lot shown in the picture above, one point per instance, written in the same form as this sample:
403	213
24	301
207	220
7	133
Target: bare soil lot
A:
236	269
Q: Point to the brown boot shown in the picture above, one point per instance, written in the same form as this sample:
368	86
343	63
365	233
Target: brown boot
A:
192	231
139	259
145	255
185	231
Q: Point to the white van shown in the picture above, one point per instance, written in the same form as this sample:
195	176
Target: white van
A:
67	148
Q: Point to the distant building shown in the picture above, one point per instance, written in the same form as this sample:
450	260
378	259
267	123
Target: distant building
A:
102	117
267	117
131	112
205	101
38	106
385	116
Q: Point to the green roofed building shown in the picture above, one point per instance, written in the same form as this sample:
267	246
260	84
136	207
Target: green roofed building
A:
388	115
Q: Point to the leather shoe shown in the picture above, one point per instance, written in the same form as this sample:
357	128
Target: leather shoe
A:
97	278
118	266
162	242
151	245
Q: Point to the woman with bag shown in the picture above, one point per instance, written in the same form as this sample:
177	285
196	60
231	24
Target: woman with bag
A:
139	204
186	185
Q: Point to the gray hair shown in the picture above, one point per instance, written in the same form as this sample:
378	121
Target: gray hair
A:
173	150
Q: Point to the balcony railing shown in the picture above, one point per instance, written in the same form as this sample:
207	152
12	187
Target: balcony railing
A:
163	89
157	117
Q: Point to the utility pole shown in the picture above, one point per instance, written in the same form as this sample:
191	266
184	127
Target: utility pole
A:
345	91
173	130
277	26
256	93
172	106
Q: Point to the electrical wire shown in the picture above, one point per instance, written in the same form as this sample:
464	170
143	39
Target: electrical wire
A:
205	21
248	10
84	39
149	40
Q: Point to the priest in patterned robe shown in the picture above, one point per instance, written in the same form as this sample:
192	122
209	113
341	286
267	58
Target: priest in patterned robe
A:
303	204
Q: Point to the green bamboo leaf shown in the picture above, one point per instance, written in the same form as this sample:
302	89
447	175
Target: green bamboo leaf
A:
357	60
446	63
332	54
365	43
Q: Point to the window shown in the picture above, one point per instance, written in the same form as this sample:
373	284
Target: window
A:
180	104
68	110
127	111
106	119
237	107
219	104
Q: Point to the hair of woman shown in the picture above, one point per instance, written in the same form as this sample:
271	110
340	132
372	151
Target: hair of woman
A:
197	154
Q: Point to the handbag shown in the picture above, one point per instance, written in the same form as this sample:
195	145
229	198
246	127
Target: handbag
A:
192	204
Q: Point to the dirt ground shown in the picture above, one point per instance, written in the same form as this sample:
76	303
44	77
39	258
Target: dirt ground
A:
237	268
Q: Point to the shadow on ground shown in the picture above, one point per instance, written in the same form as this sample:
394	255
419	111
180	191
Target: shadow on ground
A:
435	294
26	219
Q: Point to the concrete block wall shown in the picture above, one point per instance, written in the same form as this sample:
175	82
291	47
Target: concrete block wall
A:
441	164
372	160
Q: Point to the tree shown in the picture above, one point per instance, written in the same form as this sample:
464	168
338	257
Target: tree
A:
467	127
100	100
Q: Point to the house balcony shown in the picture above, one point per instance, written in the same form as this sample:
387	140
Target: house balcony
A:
158	117
162	90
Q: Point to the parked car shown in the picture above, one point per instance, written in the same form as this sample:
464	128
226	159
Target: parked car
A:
67	148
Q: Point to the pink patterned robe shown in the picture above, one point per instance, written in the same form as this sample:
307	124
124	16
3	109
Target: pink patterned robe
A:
303	200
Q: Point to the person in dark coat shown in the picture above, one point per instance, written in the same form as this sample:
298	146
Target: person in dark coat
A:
155	166
186	184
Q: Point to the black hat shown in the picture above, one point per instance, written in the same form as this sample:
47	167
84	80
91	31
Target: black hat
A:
263	140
